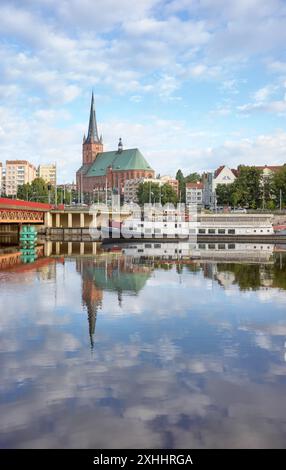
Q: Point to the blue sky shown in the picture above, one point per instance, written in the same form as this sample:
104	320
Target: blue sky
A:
193	83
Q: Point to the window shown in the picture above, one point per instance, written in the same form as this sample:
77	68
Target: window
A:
221	246
148	230
231	231
157	245
157	230
148	245
211	246
202	246
211	230
231	246
221	231
202	230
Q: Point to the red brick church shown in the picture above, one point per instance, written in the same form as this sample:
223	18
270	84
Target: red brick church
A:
108	170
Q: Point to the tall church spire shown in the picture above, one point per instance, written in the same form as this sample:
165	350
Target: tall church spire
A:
92	135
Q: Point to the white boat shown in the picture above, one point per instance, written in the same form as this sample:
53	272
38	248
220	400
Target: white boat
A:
213	225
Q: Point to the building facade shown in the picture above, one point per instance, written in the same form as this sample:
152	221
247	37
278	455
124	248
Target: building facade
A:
166	179
194	193
102	171
48	173
131	187
18	172
224	175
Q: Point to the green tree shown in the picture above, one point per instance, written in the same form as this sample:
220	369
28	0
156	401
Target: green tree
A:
279	185
37	191
168	194
248	188
193	178
153	192
148	192
182	185
268	192
225	193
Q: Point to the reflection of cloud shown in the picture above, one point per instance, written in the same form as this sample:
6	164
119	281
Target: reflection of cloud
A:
182	372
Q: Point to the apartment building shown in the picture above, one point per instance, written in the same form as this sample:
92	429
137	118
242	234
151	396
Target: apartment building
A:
48	173
194	193
18	172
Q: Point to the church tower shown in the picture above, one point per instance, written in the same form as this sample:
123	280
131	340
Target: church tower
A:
92	144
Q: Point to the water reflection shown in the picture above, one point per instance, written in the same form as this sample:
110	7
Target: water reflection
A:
186	352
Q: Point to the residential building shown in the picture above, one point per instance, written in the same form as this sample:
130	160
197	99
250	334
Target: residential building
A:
48	173
108	170
166	179
194	193
209	196
269	170
18	172
224	175
131	187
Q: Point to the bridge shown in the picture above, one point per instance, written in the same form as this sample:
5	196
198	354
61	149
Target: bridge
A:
16	211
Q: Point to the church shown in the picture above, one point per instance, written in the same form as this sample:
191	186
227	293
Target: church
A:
101	171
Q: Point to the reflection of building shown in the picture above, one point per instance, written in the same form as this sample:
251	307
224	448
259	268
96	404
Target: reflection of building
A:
108	274
91	295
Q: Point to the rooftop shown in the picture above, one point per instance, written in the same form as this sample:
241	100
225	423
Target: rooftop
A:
129	159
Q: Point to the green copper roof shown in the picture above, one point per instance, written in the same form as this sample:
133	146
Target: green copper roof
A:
129	159
84	169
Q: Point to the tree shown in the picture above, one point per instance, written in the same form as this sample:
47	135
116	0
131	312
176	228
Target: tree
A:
268	192
225	193
168	194
182	185
279	185
35	191
193	178
153	192
247	187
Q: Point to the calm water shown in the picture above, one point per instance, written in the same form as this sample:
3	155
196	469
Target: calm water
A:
115	351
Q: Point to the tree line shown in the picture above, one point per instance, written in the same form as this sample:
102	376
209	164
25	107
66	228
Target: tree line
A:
253	190
153	192
40	191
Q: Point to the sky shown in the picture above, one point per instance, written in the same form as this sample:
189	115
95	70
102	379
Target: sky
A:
194	84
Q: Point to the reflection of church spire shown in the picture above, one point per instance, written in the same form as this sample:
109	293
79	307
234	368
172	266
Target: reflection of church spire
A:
119	296
92	299
91	315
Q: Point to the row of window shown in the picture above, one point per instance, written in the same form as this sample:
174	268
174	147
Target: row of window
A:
220	246
221	231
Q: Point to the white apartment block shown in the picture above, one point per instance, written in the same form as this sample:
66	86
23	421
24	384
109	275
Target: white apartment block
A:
48	173
18	172
194	193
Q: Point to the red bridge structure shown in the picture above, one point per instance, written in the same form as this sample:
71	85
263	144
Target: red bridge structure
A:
16	211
